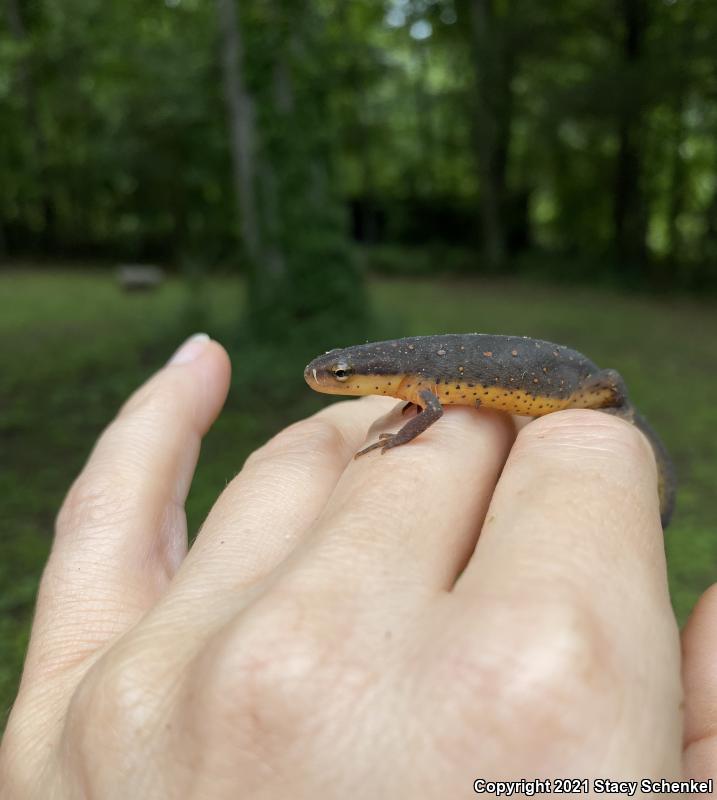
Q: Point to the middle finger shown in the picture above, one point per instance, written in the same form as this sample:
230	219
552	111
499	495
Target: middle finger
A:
412	515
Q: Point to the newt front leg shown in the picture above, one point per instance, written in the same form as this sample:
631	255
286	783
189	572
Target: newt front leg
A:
432	411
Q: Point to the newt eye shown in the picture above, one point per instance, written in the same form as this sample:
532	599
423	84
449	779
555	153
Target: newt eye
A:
341	371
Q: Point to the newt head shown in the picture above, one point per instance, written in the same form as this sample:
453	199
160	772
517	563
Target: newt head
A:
353	371
329	373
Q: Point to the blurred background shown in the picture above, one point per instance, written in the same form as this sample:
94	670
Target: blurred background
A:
295	175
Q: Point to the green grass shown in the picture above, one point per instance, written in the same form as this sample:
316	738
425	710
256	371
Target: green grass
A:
74	346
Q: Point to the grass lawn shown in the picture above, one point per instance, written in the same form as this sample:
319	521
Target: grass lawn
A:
74	346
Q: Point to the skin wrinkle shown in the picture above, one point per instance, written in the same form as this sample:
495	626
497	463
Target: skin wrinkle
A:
606	441
62	588
141	553
166	387
150	414
295	472
592	558
123	690
138	439
93	506
540	497
587	431
229	534
261	469
577	509
86	518
97	519
244	666
109	616
392	502
139	450
320	435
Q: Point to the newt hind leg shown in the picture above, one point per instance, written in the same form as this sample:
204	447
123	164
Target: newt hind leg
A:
604	389
432	411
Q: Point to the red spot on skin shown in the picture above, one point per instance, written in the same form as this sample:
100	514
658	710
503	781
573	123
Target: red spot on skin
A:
488	354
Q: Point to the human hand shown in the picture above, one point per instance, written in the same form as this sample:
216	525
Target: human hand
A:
334	630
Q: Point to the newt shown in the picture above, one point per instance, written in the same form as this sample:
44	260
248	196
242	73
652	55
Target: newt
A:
514	374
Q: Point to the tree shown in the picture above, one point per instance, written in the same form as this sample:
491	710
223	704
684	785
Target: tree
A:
241	126
493	67
630	212
302	273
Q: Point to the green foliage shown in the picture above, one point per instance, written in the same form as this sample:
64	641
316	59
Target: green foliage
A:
434	258
115	141
107	107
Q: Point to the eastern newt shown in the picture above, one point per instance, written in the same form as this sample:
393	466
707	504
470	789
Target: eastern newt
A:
514	374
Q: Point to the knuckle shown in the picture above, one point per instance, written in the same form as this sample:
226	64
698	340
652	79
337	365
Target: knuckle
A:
94	502
114	704
273	679
527	684
278	652
562	657
601	435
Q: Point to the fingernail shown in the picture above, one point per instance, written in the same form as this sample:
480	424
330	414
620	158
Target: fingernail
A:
192	348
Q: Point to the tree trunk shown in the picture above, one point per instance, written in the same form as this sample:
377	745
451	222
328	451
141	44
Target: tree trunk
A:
241	126
424	122
37	169
678	189
630	212
492	128
709	242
